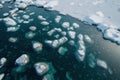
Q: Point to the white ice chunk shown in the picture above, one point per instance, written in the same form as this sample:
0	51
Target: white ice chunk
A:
57	19
9	21
76	25
5	14
113	35
66	24
45	23
88	39
22	60
1	76
12	39
2	62
37	46
26	16
32	28
80	53
72	34
41	17
12	29
102	64
29	35
41	68
1	6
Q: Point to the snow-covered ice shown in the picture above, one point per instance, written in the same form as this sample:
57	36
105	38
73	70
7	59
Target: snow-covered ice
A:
22	60
37	46
102	64
41	68
9	21
2	62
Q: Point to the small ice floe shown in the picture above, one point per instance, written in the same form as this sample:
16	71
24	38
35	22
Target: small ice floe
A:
33	28
5	14
2	62
41	68
51	32
62	50
51	4
37	46
57	19
1	6
91	60
72	34
88	39
12	29
80	53
102	64
41	17
113	35
26	16
56	43
22	60
13	11
76	25
13	39
9	21
29	35
2	76
45	23
66	24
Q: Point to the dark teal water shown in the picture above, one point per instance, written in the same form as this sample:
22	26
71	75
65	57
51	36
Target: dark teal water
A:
68	63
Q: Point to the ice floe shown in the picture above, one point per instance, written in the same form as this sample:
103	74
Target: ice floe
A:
37	46
29	35
102	64
12	29
40	17
41	68
66	24
9	21
22	60
13	39
72	34
88	39
45	23
56	43
113	35
57	19
80	52
2	62
33	28
1	6
2	76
